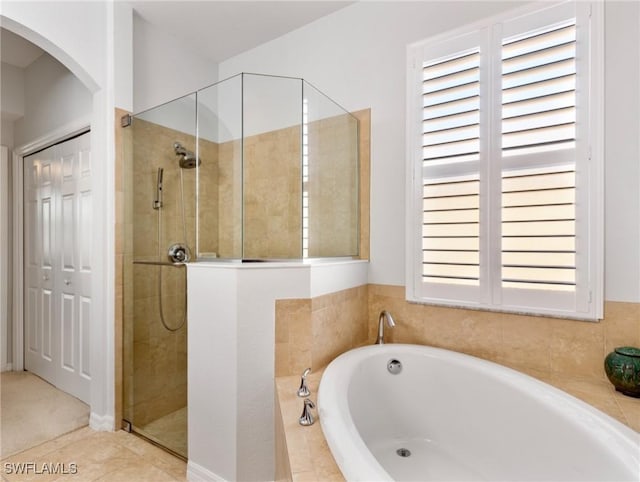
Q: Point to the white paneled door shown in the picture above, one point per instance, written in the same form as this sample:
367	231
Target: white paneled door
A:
58	265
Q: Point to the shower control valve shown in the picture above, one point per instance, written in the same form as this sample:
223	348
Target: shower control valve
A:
179	253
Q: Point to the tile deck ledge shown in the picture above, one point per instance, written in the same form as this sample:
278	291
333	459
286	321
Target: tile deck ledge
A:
310	458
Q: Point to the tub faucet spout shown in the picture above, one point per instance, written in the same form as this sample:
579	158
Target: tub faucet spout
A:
384	314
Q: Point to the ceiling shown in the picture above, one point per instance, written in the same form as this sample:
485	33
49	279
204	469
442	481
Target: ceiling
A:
215	29
219	30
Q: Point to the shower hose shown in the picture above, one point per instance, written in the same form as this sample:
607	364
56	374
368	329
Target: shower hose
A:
184	233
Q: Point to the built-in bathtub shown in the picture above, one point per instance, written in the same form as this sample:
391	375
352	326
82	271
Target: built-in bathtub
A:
463	418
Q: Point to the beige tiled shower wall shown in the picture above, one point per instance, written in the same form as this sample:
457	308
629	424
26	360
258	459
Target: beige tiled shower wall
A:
229	205
272	191
364	183
537	345
333	187
272	195
157	366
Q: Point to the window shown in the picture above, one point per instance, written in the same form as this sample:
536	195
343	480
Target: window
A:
505	141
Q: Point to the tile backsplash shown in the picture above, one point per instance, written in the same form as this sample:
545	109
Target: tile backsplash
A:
311	332
530	343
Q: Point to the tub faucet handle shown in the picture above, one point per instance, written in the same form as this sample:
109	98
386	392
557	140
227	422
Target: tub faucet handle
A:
307	418
303	391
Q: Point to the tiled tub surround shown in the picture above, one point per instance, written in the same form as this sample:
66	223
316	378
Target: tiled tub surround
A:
538	345
567	354
312	332
310	459
309	456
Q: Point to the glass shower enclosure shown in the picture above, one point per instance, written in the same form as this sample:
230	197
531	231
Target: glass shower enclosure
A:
253	168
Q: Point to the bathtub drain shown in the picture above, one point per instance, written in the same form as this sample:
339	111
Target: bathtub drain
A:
403	452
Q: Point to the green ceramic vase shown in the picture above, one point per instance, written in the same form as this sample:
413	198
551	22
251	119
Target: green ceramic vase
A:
623	370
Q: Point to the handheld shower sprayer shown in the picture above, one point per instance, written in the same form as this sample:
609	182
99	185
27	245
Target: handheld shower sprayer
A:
157	203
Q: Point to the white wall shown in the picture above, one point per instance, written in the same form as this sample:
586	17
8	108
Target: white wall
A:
81	36
54	27
622	160
11	99
123	55
163	69
53	97
357	57
12	86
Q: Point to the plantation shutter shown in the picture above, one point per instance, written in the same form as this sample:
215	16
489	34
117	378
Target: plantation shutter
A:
504	166
450	149
538	190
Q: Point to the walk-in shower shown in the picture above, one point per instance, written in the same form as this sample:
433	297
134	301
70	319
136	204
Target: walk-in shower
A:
160	207
252	168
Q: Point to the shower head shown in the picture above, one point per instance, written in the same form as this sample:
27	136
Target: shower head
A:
188	159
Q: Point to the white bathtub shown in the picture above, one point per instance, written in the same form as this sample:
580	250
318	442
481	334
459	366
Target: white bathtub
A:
463	418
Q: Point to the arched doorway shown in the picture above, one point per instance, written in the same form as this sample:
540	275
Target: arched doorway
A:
83	49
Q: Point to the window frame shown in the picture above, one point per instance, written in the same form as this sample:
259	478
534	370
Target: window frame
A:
587	304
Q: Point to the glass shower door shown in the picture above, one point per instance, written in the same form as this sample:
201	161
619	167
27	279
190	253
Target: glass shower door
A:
160	179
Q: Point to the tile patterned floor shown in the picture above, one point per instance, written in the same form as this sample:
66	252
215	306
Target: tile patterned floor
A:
86	456
33	411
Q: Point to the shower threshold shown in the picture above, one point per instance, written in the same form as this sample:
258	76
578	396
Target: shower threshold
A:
168	433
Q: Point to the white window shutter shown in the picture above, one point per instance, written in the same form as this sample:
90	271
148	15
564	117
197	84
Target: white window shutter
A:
503	178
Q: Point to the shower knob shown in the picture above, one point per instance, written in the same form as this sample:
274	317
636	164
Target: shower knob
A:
179	253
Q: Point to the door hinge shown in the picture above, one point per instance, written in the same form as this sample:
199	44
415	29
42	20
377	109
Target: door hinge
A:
126	425
125	120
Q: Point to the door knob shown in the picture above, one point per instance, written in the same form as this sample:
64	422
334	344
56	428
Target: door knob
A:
67	282
45	277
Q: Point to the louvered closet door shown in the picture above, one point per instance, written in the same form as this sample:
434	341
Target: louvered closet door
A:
58	265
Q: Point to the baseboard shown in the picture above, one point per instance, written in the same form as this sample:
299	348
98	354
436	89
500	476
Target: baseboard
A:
7	367
197	473
101	423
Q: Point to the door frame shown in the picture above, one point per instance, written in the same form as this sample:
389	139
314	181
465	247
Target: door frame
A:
5	341
54	137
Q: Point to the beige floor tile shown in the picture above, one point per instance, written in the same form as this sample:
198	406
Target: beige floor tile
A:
141	472
34	411
117	456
